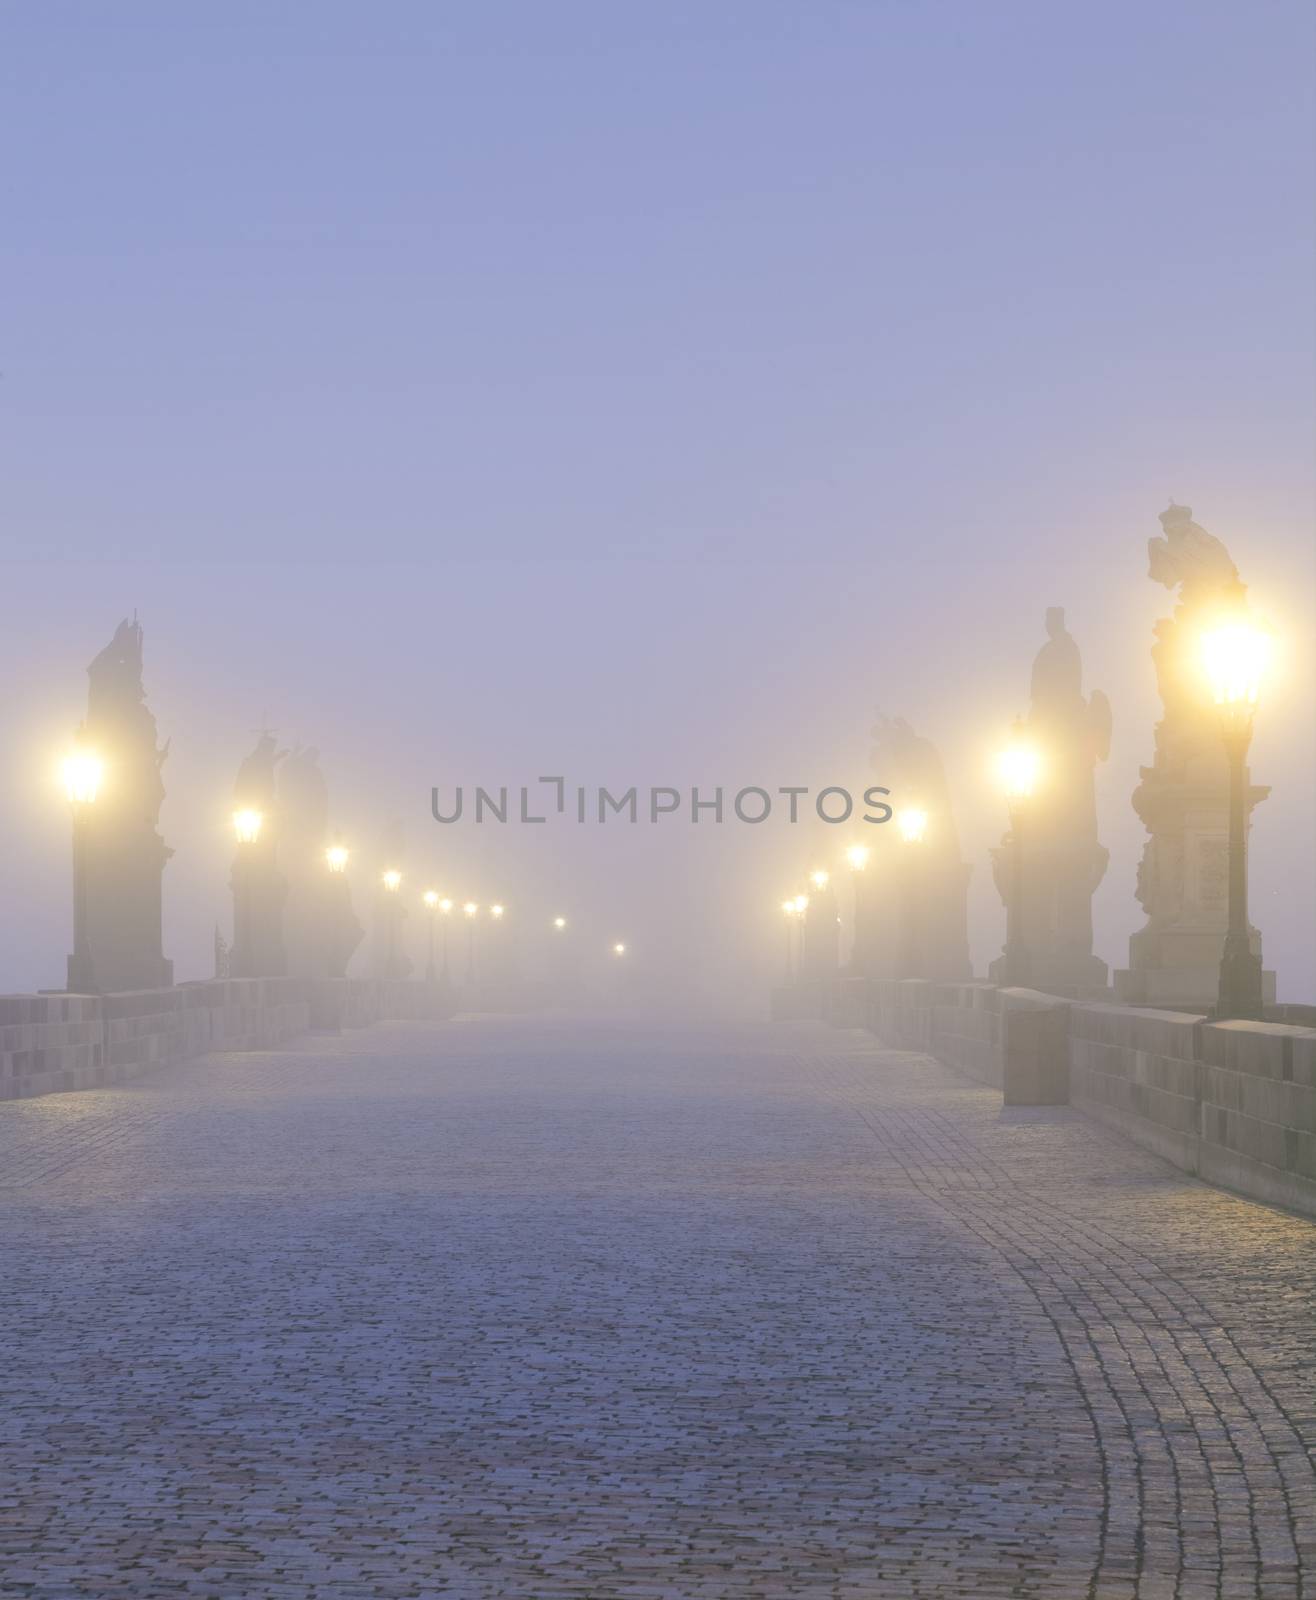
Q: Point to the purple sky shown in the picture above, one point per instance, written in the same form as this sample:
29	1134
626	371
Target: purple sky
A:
646	393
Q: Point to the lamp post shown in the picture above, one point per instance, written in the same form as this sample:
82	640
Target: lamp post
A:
257	902
470	911
861	943
445	910
391	880
913	826
431	900
1018	767
83	773
788	911
1235	656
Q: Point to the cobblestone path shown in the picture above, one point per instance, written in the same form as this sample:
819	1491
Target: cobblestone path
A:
609	1309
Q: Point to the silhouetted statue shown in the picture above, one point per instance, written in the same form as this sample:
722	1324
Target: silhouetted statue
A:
1062	859
321	930
1183	797
259	888
119	856
911	901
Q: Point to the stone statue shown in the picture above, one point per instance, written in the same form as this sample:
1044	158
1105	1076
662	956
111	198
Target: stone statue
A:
1183	797
119	856
911	902
255	784
321	930
260	890
1061	861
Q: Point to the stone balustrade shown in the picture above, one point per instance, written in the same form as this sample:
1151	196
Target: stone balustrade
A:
1232	1102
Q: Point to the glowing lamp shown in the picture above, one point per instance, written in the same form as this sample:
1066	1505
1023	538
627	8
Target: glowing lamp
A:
335	858
1235	658
431	898
801	904
913	824
247	825
857	856
1019	768
83	772
559	922
445	905
496	912
619	949
392	880
819	879
470	909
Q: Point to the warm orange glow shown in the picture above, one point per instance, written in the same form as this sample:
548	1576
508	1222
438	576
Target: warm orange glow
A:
820	879
1019	768
431	898
857	856
336	858
913	825
801	903
392	880
83	772
247	825
1235	658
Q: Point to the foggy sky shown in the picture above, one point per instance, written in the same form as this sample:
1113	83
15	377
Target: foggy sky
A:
647	394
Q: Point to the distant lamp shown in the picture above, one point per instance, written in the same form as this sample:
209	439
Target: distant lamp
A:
392	880
913	825
801	904
788	906
619	949
445	905
335	858
819	879
1018	767
247	825
83	772
470	909
559	923
857	857
496	912
431	898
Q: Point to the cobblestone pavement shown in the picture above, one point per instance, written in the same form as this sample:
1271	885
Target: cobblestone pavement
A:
593	1309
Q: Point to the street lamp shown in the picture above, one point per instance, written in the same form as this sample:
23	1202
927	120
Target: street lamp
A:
496	912
619	949
247	825
1019	767
431	902
1235	657
335	858
391	879
913	825
857	857
792	915
83	772
819	879
470	911
559	923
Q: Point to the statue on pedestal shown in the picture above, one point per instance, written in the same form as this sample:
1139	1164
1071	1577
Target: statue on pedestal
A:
259	888
1183	797
119	856
911	900
321	930
1060	861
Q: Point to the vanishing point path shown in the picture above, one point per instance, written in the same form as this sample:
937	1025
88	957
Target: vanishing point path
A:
601	1308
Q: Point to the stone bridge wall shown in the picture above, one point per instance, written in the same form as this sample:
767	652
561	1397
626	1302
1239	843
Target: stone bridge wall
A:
1233	1102
55	1042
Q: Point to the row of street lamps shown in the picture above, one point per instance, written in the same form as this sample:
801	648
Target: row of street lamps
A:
1234	659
